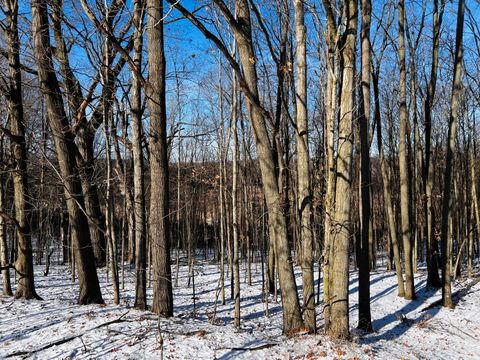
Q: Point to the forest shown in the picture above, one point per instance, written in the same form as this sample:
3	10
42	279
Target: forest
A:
218	179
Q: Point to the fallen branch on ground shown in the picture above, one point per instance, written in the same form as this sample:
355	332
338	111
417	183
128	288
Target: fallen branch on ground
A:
252	348
65	340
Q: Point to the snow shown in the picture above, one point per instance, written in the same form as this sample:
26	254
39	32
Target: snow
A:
403	330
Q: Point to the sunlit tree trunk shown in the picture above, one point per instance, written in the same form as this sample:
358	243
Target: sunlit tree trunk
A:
329	134
404	160
236	225
138	168
341	225
159	194
303	169
6	288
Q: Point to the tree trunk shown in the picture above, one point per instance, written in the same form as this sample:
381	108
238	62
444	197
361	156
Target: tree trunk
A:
85	136
24	263
159	194
330	118
427	174
404	159
341	223
235	157
452	131
386	189
303	170
66	154
110	208
138	176
292	318
7	288
364	315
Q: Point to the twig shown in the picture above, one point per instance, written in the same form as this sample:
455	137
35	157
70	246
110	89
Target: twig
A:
47	265
259	347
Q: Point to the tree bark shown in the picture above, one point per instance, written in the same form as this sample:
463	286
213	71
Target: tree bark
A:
427	174
404	159
236	225
386	189
452	133
292	318
66	154
341	223
330	118
138	176
364	314
24	263
85	135
303	169
159	193
7	288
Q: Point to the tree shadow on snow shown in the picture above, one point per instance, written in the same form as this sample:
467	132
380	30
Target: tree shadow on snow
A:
234	352
404	323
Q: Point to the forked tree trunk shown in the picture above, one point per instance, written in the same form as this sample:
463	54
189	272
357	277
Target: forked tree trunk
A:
85	136
66	154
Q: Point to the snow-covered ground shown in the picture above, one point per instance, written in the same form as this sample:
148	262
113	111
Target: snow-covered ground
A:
403	330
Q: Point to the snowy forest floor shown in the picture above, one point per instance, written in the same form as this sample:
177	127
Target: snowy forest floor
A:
58	328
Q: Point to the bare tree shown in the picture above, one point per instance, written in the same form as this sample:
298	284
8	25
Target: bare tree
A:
427	173
303	169
341	226
67	153
452	134
138	168
248	81
404	159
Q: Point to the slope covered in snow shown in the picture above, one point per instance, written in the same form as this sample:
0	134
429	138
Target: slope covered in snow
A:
57	328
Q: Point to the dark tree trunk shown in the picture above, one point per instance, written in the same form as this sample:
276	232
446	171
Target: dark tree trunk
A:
24	264
364	315
67	153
